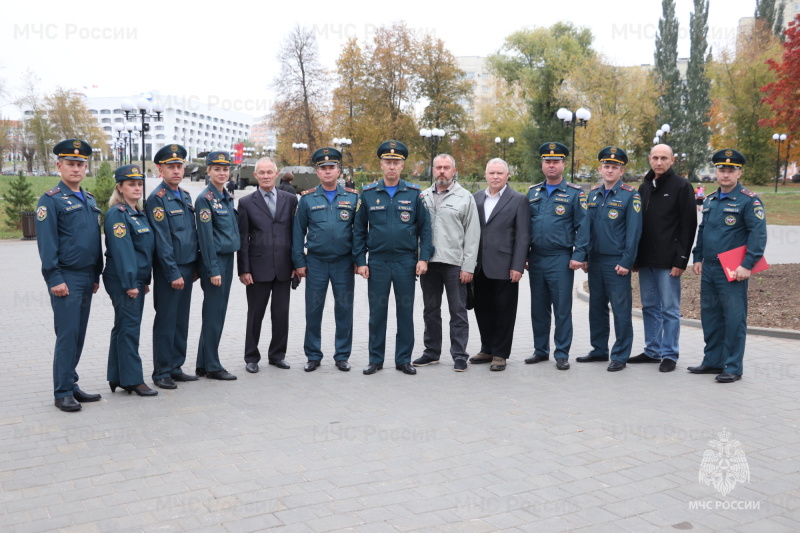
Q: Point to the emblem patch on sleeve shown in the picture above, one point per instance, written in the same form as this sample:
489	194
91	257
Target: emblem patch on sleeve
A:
120	230
158	214
41	213
205	215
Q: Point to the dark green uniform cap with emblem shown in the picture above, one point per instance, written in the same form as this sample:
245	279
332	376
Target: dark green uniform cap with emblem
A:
728	158
326	156
218	158
552	150
613	154
172	153
74	149
128	172
392	150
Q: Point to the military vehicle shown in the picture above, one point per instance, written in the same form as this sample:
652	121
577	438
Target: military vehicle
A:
243	174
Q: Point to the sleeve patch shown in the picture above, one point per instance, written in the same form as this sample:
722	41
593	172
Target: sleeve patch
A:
120	230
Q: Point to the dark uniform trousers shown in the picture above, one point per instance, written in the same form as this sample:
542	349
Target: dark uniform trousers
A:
551	282
71	315
170	331
258	296
124	362
383	274
608	286
342	280
215	305
724	310
496	313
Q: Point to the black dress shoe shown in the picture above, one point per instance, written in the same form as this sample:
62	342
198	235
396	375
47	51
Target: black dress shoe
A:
727	377
165	383
704	370
252	368
538	358
223	374
183	377
68	403
407	368
312	365
562	364
590	359
667	365
113	385
372	368
84	397
280	363
344	366
616	366
200	372
140	390
642	358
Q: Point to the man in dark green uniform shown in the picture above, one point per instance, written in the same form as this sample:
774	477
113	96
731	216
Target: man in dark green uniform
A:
218	235
615	225
171	215
391	224
733	216
323	226
68	236
559	242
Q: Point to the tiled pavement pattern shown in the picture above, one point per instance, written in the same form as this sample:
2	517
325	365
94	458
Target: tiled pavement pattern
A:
527	449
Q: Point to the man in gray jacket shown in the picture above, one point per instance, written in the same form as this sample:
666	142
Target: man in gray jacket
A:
456	235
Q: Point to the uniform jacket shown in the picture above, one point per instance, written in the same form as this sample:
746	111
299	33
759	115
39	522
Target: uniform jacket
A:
737	220
391	228
455	227
615	224
558	223
68	234
669	221
505	237
129	246
217	228
172	218
322	228
266	241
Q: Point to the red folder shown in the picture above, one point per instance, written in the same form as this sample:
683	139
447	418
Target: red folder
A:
732	259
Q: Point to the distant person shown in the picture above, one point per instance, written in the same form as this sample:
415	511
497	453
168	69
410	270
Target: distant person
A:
231	186
286	183
700	196
348	183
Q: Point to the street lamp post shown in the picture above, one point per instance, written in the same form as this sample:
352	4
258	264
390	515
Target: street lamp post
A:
342	144
663	132
779	138
502	142
432	137
580	118
299	147
130	127
145	111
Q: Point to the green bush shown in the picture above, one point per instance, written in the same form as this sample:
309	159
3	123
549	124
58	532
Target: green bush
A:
18	198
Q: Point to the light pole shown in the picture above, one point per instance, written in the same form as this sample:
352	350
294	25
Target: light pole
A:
432	137
299	147
663	132
342	144
580	118
130	127
145	111
779	138
502	142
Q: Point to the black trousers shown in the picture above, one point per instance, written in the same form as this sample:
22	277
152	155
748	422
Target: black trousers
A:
496	313
258	295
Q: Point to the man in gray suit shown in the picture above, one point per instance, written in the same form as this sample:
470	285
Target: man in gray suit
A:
265	263
505	235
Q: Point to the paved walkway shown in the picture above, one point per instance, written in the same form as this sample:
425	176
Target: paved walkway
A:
528	449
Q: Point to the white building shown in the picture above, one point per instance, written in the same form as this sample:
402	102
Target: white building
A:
198	126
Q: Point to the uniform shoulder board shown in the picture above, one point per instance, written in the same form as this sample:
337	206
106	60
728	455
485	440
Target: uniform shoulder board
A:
370	186
626	187
412	185
597	186
308	191
121	207
537	185
90	195
348	189
575	186
54	190
209	196
161	193
748	192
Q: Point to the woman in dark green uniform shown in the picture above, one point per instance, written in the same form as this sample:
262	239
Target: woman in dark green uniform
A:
129	259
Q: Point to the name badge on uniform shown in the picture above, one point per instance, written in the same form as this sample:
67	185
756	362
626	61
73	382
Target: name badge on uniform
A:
316	207
404	201
377	207
74	207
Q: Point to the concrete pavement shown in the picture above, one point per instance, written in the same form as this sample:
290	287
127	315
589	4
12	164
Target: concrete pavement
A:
527	449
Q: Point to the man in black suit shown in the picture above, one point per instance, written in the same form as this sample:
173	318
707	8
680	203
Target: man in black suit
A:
265	263
505	236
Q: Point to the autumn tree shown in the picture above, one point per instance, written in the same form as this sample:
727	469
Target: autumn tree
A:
69	118
695	135
771	12
443	85
36	131
668	78
300	109
783	94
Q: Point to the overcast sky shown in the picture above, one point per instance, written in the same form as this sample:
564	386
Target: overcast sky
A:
225	53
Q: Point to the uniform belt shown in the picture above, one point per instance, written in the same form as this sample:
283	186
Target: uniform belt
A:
393	257
83	270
